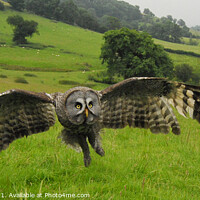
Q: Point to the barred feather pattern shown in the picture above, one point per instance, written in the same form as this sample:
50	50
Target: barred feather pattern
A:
153	113
186	100
21	117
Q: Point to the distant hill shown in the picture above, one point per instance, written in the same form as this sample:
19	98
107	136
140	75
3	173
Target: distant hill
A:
113	14
103	15
78	48
58	46
126	13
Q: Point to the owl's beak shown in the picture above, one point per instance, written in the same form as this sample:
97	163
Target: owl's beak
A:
86	113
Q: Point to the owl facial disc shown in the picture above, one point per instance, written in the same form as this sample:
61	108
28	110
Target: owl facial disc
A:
83	107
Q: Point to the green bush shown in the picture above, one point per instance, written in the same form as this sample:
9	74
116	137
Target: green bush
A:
196	79
67	82
21	80
2	6
185	73
30	75
3	76
193	42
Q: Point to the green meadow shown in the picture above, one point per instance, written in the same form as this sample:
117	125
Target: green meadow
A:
178	59
58	45
136	165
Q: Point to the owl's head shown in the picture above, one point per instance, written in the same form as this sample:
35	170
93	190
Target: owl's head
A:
81	105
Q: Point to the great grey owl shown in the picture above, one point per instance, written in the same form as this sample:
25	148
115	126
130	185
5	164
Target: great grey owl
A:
83	112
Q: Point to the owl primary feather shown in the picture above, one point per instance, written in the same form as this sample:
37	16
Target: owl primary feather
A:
83	112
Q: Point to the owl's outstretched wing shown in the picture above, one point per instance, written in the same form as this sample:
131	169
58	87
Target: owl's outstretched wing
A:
23	113
145	103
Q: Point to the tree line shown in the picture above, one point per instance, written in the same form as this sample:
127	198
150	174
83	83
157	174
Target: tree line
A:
104	15
2	7
117	14
164	28
66	11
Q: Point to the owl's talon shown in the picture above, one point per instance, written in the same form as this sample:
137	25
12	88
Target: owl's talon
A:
100	151
87	161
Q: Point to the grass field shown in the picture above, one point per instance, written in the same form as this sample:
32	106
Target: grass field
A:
137	164
57	46
178	59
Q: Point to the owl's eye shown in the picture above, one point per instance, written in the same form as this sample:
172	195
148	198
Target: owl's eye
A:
90	105
78	106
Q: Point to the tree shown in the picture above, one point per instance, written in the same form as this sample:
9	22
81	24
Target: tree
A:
110	23
166	29
169	17
67	12
22	28
86	20
181	23
131	53
186	32
17	4
184	72
196	28
2	6
148	12
46	8
120	10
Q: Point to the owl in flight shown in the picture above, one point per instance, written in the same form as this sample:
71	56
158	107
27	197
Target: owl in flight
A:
83	112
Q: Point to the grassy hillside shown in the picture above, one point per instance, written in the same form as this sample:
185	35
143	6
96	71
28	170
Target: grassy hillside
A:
63	46
59	48
178	59
175	46
137	164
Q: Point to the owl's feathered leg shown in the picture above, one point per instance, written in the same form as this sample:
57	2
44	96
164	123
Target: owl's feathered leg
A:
86	152
95	141
78	142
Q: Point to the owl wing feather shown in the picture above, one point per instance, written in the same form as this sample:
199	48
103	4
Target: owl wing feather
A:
23	113
145	103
